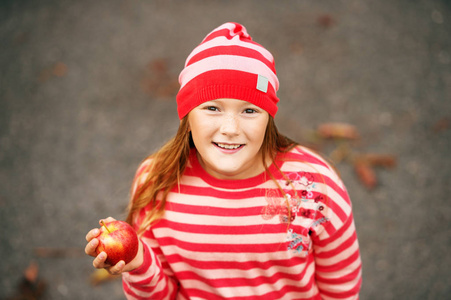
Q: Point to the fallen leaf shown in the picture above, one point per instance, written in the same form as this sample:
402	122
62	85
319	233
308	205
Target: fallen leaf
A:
59	69
365	173
341	153
31	272
100	276
326	21
441	125
48	252
338	131
296	47
379	160
157	81
159	65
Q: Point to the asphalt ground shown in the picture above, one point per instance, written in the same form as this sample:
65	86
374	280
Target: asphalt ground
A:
87	91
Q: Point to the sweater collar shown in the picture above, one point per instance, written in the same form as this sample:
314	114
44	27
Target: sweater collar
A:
259	179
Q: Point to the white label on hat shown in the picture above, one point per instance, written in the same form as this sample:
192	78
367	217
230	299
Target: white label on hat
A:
262	83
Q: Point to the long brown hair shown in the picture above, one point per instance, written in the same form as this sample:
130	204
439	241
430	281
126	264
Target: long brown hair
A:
168	165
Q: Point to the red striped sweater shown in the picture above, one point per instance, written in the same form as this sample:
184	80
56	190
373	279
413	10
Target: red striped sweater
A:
246	239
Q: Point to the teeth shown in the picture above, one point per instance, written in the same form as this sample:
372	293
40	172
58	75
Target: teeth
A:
230	147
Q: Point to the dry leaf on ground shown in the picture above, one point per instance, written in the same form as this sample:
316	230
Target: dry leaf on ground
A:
338	131
441	125
379	160
59	69
365	173
158	81
326	21
48	252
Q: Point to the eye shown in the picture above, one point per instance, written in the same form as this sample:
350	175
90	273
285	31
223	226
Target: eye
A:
211	108
250	111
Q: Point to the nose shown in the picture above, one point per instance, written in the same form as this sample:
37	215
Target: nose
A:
230	125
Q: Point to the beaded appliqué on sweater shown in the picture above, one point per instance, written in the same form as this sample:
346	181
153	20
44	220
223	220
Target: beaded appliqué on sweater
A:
304	204
280	206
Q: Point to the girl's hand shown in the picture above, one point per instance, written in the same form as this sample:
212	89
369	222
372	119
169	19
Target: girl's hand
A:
99	260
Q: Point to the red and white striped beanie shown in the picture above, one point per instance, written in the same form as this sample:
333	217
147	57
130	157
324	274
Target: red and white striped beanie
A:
228	64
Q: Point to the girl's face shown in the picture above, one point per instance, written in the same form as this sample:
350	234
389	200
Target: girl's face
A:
228	135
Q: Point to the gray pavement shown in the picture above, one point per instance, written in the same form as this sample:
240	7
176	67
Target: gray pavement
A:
86	92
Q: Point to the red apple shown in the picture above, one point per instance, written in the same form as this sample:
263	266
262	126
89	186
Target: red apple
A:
119	240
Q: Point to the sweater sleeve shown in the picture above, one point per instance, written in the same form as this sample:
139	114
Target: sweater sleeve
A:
337	256
151	279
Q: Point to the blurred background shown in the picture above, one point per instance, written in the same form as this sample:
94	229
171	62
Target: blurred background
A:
87	90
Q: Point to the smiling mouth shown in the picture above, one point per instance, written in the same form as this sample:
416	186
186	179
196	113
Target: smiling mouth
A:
229	146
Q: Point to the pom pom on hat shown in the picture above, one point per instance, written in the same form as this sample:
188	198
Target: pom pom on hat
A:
228	64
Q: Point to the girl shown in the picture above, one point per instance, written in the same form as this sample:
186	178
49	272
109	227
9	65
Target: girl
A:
230	208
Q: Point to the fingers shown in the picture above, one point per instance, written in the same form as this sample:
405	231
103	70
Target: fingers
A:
90	248
92	234
109	219
117	269
99	261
